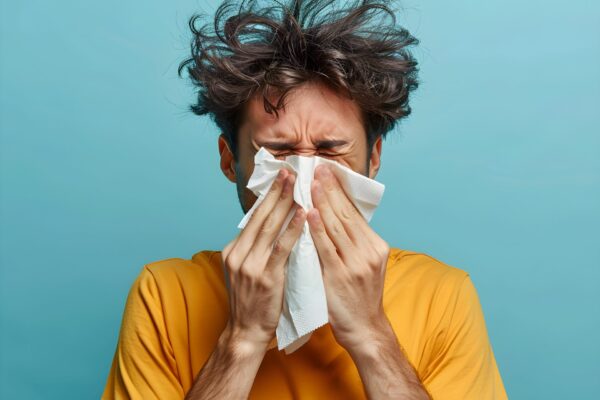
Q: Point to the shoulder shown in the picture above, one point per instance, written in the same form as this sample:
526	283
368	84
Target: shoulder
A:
204	267
428	295
423	271
425	285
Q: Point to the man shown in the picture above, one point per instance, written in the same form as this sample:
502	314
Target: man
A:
312	80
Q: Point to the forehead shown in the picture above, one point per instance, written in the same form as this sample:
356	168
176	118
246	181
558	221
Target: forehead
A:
312	112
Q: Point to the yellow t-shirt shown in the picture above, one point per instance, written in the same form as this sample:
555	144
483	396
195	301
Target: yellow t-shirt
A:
177	308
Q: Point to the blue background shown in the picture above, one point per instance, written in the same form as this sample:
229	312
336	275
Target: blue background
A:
103	170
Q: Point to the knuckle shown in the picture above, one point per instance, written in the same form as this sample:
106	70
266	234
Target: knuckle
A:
246	271
231	262
383	249
232	272
268	226
337	229
362	275
279	247
293	224
331	252
298	220
347	214
266	283
374	261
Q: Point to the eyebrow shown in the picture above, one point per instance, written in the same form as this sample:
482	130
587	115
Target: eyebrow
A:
324	144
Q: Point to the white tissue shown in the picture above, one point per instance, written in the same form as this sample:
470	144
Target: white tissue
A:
305	304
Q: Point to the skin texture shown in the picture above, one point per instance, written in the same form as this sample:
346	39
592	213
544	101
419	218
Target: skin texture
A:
316	121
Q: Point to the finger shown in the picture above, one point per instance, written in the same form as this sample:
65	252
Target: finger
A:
332	224
353	221
284	244
224	254
325	247
274	221
227	249
250	231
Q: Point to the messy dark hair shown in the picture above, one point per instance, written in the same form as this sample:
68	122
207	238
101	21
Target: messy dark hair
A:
250	49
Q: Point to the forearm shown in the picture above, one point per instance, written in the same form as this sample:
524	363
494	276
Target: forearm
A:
230	370
385	371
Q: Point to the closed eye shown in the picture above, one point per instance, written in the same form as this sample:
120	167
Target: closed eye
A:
327	154
282	155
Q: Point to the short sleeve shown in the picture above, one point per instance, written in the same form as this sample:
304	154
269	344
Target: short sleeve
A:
143	366
464	367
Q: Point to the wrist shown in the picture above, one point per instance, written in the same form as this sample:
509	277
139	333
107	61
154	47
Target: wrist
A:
378	337
241	345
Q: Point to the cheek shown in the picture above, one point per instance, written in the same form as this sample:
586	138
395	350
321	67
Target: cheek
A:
357	162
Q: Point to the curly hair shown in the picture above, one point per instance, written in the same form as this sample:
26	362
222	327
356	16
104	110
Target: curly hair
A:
249	49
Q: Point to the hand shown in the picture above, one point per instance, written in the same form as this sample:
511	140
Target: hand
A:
255	262
353	261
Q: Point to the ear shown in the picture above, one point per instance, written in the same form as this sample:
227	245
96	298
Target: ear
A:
227	159
375	160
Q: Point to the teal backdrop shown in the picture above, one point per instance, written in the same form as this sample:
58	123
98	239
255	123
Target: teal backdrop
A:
103	170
